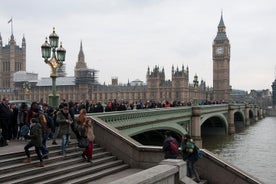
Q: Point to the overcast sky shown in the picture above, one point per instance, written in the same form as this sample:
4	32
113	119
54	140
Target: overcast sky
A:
122	38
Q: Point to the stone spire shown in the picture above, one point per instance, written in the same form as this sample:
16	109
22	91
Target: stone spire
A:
221	34
23	42
81	59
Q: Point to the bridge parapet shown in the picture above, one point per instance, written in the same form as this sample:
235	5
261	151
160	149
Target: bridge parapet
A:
121	120
216	119
207	109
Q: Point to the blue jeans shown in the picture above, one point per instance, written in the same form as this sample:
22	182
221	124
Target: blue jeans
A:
64	143
45	150
37	150
191	169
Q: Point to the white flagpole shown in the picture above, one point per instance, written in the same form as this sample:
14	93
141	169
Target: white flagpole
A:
10	21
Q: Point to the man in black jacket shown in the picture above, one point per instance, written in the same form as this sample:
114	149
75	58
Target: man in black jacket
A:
5	117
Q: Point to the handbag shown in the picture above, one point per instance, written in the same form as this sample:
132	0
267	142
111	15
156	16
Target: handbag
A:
83	142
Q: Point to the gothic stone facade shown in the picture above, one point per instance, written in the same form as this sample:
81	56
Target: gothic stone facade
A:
84	86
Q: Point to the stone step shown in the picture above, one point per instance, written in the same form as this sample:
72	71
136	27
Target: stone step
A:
7	161
187	180
59	169
31	169
88	174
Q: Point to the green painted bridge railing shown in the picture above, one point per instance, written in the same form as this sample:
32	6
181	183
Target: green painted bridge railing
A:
126	119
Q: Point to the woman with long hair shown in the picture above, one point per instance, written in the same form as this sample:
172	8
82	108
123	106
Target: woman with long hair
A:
89	133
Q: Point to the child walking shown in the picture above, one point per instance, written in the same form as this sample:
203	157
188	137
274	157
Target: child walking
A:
36	141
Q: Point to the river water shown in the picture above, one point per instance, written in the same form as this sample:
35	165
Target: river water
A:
252	149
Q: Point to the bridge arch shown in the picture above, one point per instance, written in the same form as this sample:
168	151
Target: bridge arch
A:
239	119
251	114
154	134
214	125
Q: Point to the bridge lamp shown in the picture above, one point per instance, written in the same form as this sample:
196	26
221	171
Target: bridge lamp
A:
55	62
195	81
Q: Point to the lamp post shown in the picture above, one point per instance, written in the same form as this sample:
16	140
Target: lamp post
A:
56	61
27	87
195	81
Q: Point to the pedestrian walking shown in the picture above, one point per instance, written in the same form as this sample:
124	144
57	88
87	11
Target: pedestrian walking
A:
189	153
36	141
89	133
23	110
170	146
56	125
64	120
5	120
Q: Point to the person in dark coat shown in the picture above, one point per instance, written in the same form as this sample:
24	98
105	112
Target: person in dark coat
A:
36	141
166	146
5	118
33	112
23	110
64	120
14	121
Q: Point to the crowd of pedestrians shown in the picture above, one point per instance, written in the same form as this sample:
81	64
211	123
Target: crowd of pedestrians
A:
45	123
13	118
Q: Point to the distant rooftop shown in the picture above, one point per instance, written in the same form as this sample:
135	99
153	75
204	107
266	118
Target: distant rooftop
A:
60	81
22	76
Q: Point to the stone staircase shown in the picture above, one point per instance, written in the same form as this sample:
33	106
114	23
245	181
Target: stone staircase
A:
59	169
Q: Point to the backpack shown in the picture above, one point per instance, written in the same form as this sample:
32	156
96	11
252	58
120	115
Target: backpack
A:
50	122
25	129
173	147
198	153
44	124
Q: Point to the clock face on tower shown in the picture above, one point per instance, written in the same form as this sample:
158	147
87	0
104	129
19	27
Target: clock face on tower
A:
219	50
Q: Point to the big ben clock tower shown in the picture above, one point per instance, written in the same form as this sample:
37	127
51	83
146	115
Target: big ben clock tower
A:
221	65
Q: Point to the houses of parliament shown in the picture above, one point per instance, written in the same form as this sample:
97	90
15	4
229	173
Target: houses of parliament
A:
16	83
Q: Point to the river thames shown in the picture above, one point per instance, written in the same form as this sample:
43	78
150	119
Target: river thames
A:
252	149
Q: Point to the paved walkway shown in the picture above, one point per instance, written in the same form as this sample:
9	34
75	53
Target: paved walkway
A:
18	146
14	146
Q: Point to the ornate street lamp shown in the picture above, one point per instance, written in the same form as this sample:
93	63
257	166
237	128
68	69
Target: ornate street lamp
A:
195	81
56	61
27	87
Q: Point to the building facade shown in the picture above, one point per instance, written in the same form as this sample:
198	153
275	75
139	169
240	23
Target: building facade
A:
84	84
12	59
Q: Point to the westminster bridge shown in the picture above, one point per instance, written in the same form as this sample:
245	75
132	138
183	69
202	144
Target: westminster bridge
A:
117	132
222	119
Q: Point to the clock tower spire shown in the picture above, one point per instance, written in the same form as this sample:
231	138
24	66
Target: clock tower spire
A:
221	65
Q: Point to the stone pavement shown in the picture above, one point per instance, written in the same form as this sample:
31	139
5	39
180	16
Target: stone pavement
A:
14	146
18	146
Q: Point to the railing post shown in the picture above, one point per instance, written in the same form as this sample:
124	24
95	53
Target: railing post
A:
196	127
256	113
261	113
247	119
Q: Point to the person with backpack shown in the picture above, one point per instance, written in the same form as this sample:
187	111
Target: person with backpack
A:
190	155
22	121
170	146
45	133
35	140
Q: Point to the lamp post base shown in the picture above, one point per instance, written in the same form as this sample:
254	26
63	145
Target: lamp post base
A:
195	102
54	100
